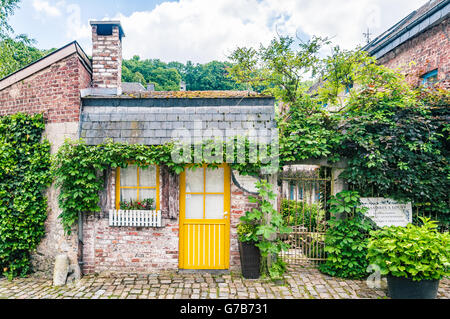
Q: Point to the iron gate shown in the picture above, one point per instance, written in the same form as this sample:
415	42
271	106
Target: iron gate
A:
304	196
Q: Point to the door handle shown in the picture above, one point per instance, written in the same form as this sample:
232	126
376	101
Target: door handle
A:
225	215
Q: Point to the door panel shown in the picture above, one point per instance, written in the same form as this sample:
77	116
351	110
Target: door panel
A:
204	223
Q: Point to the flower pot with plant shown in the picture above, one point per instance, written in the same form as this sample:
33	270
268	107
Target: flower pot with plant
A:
414	258
261	226
249	252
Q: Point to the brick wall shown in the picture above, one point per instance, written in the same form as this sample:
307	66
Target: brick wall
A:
107	59
144	250
239	205
424	53
54	90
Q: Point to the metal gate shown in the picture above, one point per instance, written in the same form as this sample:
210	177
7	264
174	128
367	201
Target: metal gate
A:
304	195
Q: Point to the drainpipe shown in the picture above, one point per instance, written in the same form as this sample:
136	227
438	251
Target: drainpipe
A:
80	217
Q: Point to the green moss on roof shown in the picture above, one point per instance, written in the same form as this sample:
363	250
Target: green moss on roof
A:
193	94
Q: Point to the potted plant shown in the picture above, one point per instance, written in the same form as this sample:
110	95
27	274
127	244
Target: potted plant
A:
414	258
260	227
249	252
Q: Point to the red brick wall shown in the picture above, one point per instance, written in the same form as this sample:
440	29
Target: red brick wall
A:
54	91
239	205
128	249
424	53
107	59
145	250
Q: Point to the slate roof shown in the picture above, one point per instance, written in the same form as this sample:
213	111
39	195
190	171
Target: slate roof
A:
153	119
415	23
130	87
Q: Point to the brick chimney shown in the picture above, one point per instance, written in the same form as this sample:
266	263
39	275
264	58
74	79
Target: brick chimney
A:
107	57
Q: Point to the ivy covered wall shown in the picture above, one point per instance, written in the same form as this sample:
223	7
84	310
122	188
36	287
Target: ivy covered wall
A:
25	174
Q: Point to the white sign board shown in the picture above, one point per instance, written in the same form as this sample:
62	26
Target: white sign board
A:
387	212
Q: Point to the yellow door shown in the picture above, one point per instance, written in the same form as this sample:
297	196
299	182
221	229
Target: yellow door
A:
205	218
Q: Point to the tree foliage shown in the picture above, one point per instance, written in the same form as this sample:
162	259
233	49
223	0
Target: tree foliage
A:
394	136
167	76
16	51
7	8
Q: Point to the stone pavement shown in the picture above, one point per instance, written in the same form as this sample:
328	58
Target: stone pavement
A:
300	283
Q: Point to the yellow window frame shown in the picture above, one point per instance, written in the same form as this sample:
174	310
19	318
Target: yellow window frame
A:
118	187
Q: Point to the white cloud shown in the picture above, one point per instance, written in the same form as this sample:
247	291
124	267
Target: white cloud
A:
76	29
202	30
46	8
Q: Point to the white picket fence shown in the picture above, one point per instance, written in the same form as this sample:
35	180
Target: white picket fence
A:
137	218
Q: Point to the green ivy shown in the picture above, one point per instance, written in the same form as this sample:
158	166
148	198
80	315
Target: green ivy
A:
347	238
398	148
80	169
25	174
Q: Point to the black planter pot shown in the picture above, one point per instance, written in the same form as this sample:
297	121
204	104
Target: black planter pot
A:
405	288
250	260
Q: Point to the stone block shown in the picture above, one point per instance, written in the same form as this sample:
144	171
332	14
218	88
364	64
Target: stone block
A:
60	270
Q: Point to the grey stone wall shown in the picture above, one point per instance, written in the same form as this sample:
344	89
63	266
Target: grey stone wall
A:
55	241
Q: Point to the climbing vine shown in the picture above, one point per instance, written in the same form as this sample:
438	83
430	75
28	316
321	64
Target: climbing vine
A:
263	224
80	169
25	173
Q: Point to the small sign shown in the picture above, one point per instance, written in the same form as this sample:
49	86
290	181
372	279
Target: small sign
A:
387	212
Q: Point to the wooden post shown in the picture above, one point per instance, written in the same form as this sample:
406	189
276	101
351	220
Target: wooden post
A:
273	180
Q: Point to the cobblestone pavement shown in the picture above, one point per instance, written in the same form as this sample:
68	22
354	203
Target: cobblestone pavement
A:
300	283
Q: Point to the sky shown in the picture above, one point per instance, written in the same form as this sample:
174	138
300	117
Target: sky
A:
206	30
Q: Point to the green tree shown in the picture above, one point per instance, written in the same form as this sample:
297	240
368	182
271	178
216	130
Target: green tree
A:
209	76
15	51
7	8
394	136
154	71
167	76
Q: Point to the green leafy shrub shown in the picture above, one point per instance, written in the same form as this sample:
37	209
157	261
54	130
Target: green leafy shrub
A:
265	223
300	213
25	173
347	238
247	232
414	252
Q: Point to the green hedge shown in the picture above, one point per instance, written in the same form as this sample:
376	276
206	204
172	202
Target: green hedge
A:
25	173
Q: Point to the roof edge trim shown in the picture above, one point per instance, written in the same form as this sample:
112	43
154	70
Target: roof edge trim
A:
46	61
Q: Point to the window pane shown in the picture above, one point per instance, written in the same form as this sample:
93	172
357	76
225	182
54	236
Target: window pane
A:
128	176
147	177
127	194
214	180
145	193
214	207
194	206
194	180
